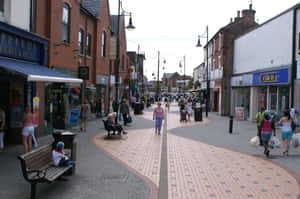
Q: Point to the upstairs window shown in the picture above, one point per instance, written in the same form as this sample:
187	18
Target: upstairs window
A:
80	41
88	44
103	44
220	41
2	7
66	23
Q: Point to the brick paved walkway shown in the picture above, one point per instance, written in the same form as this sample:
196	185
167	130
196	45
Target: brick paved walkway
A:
197	170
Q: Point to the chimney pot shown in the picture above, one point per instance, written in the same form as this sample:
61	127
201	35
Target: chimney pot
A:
238	14
231	20
250	6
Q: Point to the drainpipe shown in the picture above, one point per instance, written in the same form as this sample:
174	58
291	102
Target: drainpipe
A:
294	50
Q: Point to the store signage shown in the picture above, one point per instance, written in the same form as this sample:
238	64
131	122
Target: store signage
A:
83	72
36	107
74	117
17	47
280	76
239	113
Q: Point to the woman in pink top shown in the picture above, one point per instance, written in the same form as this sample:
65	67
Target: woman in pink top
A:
158	115
266	132
28	129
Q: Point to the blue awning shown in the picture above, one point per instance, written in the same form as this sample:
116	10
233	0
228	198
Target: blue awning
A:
36	72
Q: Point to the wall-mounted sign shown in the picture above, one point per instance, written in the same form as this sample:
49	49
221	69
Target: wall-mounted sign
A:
36	107
83	72
20	48
280	76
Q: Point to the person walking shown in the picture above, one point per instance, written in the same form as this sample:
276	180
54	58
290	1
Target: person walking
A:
189	108
28	129
2	126
158	116
259	117
286	131
84	112
99	107
267	126
124	110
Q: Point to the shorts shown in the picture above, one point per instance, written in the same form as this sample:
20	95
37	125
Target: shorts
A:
28	130
265	136
286	134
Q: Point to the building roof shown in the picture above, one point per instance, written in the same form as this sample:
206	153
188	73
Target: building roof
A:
168	75
93	6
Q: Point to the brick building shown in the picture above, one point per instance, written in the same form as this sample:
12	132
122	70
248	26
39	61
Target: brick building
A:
170	80
220	59
79	34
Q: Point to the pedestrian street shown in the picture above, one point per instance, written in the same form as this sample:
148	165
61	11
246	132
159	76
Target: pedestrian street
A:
198	170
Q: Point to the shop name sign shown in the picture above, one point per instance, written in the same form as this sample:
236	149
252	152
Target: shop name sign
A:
14	46
280	76
83	72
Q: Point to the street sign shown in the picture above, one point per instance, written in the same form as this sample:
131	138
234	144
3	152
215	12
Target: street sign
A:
83	72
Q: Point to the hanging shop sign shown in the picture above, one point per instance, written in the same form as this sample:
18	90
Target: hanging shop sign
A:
83	72
280	76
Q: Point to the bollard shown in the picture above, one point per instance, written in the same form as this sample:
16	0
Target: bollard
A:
230	124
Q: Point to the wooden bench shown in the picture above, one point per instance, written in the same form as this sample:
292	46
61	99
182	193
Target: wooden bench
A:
37	167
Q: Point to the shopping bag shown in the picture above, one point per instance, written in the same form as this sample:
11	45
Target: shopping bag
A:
254	141
120	117
274	143
295	141
129	119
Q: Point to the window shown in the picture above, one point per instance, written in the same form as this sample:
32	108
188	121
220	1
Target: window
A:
219	61
103	44
214	64
80	41
66	23
88	44
2	7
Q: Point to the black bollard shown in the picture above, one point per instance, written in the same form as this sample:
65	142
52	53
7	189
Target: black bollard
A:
230	123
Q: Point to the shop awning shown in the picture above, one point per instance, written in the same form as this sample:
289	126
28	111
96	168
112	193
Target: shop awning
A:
36	72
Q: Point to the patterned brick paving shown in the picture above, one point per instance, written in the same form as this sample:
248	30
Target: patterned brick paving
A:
197	170
140	150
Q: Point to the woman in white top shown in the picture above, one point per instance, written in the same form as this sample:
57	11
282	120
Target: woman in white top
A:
189	108
286	131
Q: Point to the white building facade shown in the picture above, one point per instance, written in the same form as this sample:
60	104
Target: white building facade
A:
263	65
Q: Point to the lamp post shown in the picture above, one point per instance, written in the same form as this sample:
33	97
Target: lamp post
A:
117	64
158	86
205	35
180	66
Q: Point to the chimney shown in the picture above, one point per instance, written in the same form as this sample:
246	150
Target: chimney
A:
249	14
238	14
250	6
231	20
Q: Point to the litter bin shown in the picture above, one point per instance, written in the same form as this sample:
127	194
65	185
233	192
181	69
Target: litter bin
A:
137	108
70	144
198	114
64	136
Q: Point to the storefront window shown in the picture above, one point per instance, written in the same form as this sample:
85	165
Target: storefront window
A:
262	97
60	100
273	98
283	98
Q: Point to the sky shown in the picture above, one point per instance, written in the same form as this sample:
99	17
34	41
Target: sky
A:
172	27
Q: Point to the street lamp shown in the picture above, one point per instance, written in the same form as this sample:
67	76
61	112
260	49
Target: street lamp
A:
129	27
205	35
180	66
158	89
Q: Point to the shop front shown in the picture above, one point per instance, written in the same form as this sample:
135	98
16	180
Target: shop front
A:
240	96
273	89
22	76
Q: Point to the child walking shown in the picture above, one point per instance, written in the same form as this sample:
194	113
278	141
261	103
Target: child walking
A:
158	116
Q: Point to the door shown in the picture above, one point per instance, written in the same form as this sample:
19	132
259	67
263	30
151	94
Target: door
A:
216	101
